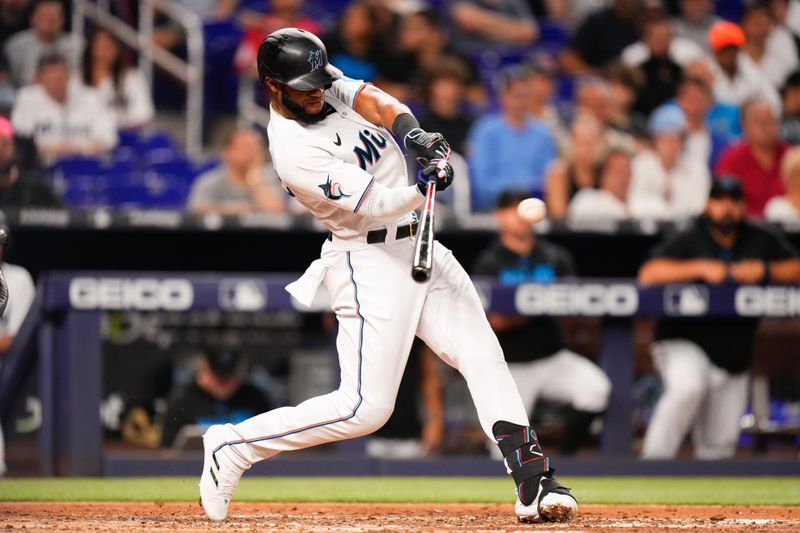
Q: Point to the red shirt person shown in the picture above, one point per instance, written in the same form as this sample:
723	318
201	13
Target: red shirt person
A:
756	160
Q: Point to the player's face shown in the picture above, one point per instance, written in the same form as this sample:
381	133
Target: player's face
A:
306	106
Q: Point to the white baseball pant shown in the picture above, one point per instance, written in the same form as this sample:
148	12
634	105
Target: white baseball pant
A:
698	395
380	309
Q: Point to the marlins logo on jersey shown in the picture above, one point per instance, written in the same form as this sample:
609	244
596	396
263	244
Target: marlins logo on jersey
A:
332	190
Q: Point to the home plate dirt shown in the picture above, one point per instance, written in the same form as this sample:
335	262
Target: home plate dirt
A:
347	517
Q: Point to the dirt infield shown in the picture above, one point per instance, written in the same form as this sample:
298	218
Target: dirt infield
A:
383	517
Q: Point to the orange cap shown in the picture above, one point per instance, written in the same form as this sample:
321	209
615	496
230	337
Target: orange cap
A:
724	34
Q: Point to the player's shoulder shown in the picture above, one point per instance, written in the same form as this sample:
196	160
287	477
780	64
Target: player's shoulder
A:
16	274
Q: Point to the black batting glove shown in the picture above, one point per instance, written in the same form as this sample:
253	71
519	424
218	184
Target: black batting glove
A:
431	173
426	146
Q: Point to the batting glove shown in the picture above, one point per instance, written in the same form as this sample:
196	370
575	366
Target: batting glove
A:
426	146
431	173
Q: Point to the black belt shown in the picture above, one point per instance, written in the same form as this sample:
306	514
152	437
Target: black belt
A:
378	236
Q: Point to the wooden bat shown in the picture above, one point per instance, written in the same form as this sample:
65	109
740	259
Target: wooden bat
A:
423	254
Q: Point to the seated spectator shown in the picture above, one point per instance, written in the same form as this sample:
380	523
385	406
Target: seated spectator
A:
280	14
46	37
63	118
702	142
786	208
667	183
659	39
661	72
705	362
541	78
594	98
602	37
790	119
782	12
578	169
244	183
533	346
723	117
773	54
624	85
609	202
424	47
481	25
445	111
14	18
218	394
508	149
123	87
20	286
736	80
19	186
695	21
756	159
356	46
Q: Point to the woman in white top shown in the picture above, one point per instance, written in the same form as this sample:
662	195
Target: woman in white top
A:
786	208
120	85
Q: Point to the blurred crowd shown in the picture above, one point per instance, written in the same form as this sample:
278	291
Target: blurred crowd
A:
606	109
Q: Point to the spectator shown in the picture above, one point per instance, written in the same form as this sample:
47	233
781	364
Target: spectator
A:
602	37
661	73
786	208
14	17
659	40
578	169
781	31
63	118
46	37
244	183
20	286
483	25
772	53
356	47
121	86
218	394
735	80
280	14
790	120
533	346
723	117
667	183
695	21
756	160
624	85
541	78
609	202
594	98
19	186
508	149
704	362
445	111
702	143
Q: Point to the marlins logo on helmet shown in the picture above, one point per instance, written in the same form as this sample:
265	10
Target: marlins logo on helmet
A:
315	59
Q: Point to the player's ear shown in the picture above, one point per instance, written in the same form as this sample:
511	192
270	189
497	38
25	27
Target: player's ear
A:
272	86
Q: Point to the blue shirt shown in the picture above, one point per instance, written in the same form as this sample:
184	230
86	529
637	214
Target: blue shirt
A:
503	158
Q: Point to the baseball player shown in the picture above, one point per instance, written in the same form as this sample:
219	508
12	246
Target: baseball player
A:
332	141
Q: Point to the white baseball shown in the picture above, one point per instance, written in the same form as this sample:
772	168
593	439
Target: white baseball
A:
532	210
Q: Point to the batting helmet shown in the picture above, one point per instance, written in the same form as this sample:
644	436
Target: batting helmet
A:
297	58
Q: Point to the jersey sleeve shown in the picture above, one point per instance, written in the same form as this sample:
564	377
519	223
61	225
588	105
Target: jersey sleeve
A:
317	173
346	90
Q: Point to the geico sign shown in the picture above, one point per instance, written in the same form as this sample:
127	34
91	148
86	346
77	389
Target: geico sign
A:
565	299
768	301
141	294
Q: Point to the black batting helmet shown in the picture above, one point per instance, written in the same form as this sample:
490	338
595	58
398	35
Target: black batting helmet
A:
297	58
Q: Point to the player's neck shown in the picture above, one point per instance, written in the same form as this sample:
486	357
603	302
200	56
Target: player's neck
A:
519	244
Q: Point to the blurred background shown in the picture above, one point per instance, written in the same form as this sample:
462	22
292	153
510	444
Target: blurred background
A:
133	159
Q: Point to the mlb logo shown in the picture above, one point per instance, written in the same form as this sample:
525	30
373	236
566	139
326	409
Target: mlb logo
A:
686	300
242	295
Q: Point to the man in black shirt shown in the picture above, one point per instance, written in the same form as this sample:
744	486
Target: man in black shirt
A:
217	395
704	363
21	185
602	37
539	363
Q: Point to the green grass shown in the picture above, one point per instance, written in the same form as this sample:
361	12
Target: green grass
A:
724	491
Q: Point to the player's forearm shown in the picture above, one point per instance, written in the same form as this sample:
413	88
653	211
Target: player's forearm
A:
658	271
379	107
385	204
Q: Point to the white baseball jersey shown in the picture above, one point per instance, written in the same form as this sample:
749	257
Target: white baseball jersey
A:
330	166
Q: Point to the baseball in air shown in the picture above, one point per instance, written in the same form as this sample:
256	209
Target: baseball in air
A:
532	210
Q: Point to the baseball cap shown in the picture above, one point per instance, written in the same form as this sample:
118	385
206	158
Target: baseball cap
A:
667	119
724	34
510	198
225	362
727	187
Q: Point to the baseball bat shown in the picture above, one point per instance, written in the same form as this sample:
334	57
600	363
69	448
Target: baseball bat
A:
423	253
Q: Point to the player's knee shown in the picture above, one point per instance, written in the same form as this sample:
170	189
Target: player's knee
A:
686	392
370	419
594	394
